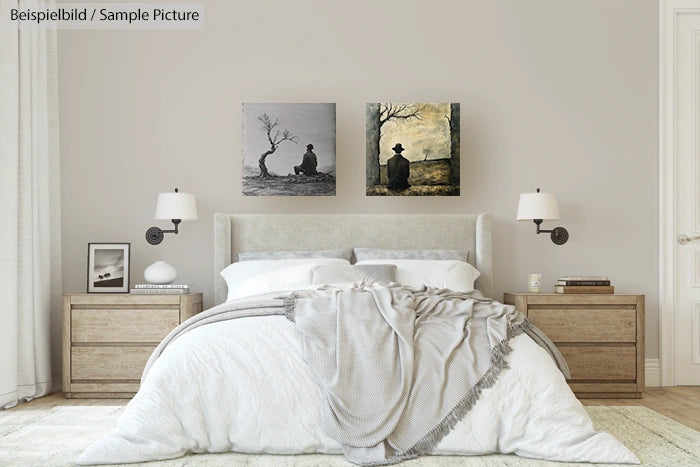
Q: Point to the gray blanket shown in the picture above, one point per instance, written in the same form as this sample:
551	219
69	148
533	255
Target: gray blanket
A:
399	367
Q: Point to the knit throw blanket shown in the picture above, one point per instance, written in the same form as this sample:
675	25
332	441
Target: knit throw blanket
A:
399	367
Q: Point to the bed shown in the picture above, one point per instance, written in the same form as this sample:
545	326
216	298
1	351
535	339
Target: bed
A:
258	372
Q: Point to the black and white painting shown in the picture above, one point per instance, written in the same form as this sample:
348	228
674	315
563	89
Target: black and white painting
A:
289	149
412	149
108	267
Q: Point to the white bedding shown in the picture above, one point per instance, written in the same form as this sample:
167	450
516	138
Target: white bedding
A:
242	385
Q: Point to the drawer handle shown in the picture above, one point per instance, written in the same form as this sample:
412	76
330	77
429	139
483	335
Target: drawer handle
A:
683	238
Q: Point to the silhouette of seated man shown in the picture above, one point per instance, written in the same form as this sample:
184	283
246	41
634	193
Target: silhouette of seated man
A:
397	170
308	162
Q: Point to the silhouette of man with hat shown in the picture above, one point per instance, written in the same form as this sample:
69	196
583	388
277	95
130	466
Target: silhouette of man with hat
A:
397	170
308	162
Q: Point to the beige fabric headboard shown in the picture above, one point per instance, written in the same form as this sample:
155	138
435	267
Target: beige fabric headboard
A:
234	233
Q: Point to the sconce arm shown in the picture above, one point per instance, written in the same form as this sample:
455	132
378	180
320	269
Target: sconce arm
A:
559	235
155	235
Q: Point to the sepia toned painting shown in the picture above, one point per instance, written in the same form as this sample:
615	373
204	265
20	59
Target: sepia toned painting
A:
412	149
288	149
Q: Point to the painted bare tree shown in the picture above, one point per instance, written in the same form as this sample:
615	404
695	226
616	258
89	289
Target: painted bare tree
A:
275	137
377	116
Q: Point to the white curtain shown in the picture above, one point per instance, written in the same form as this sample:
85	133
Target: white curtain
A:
30	256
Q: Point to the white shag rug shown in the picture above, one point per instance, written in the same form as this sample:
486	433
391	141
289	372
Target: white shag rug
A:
55	437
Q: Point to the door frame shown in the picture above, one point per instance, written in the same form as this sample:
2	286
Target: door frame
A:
669	10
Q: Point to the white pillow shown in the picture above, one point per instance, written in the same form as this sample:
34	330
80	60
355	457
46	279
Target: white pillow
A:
343	275
254	277
443	274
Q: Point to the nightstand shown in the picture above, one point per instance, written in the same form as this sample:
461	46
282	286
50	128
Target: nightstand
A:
601	337
108	338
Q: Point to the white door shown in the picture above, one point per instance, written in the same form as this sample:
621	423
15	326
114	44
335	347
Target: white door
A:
686	141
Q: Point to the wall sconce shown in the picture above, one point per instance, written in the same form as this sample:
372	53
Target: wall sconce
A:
174	206
537	207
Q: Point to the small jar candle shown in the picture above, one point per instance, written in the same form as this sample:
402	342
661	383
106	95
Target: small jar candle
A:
534	282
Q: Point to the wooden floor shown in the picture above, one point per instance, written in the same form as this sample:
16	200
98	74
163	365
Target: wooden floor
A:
679	403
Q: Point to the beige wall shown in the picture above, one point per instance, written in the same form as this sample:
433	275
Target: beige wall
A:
556	94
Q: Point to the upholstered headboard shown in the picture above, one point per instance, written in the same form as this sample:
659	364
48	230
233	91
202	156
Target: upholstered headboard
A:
234	233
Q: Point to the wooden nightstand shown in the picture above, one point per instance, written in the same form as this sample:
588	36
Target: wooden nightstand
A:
601	337
107	339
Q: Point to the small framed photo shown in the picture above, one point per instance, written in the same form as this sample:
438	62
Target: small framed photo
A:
108	267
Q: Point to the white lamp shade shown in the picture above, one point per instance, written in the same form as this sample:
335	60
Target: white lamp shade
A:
537	206
176	206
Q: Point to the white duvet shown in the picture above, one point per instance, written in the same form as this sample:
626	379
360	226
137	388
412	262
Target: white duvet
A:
242	385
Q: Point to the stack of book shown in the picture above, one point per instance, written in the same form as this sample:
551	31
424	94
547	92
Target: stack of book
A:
145	289
583	284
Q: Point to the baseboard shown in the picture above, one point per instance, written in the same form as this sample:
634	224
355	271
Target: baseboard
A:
652	373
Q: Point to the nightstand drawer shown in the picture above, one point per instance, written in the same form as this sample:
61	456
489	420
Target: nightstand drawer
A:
109	363
600	363
122	325
586	325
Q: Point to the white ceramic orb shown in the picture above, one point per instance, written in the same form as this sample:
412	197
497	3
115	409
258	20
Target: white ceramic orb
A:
160	272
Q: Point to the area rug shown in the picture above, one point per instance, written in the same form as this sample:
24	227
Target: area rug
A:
55	437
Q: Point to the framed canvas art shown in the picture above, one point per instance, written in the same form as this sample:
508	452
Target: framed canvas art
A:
288	150
412	149
108	267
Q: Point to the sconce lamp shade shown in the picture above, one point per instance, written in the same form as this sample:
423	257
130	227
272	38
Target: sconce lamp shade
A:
537	206
176	206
